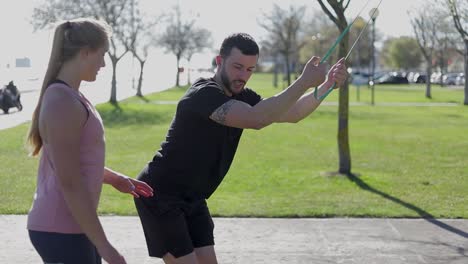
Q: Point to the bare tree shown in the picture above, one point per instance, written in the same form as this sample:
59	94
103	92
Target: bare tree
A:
459	12
283	26
268	51
322	34
338	8
178	37
201	39
425	30
114	12
140	38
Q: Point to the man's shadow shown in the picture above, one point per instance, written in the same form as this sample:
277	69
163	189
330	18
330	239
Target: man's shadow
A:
425	215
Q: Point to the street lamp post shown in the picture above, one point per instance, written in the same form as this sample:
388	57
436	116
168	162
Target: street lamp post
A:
318	38
374	12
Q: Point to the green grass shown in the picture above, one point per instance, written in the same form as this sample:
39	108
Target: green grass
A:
411	161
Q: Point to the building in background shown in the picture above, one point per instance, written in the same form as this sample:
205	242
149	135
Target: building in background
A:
23	62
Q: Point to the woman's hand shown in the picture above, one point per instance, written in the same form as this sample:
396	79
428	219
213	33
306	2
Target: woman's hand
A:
110	254
134	187
126	184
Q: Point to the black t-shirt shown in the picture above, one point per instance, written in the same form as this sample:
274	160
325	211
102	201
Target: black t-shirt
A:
197	152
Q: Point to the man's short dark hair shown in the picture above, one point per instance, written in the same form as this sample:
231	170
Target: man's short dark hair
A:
244	42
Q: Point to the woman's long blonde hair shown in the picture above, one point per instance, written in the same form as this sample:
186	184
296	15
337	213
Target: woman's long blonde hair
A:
69	38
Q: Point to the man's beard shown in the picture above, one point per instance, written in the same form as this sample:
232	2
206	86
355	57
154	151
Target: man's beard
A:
226	82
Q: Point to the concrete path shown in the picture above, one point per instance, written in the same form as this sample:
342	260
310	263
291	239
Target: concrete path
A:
259	240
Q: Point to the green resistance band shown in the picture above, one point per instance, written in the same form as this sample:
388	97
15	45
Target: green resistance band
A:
338	40
324	59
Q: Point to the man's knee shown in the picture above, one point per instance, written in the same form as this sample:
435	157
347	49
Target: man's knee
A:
206	255
187	259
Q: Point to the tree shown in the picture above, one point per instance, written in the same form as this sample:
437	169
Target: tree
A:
268	54
201	40
459	12
446	38
140	38
283	27
178	37
338	17
362	54
114	12
425	30
402	53
320	33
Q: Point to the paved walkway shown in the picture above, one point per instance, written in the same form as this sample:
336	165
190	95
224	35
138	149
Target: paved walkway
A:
259	240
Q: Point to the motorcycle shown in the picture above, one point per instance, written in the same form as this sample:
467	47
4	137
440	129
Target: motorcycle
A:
10	97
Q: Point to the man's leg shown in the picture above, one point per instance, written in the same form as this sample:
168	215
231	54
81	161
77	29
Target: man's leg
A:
202	255
206	255
165	228
187	259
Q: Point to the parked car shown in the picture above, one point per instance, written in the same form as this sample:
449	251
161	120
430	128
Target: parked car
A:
392	78
419	77
436	77
359	78
460	79
451	78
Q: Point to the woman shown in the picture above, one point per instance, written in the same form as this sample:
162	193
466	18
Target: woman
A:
68	132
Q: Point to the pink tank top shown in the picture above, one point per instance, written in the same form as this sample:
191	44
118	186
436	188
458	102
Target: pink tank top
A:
49	211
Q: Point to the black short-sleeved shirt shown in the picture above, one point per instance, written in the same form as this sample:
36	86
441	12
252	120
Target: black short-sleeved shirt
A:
197	152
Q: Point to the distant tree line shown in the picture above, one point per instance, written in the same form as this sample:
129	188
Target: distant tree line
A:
133	31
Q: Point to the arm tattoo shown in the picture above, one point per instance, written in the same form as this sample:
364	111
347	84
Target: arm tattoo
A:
219	115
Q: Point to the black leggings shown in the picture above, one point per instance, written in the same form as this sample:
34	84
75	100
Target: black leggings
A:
57	248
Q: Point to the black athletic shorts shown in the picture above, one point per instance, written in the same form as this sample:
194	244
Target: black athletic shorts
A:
58	248
174	225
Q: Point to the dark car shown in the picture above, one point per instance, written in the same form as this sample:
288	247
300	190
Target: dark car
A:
420	78
392	79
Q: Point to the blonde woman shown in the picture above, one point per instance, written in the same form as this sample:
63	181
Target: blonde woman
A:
68	133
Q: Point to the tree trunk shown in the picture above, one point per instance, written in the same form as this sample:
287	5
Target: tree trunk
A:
140	79
441	81
288	69
343	117
466	72
189	82
275	72
113	97
178	73
343	107
428	78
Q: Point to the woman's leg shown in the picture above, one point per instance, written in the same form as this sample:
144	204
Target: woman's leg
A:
64	248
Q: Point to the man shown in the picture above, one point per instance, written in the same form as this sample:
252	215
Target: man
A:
201	143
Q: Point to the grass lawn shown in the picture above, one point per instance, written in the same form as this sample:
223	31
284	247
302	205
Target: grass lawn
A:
412	161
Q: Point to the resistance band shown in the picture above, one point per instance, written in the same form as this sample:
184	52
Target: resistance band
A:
338	40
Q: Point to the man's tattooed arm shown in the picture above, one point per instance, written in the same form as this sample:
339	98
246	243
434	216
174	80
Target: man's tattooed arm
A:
219	115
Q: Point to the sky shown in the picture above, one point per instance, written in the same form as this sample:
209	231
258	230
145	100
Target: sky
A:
221	17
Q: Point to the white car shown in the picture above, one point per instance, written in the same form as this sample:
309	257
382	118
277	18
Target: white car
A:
460	79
